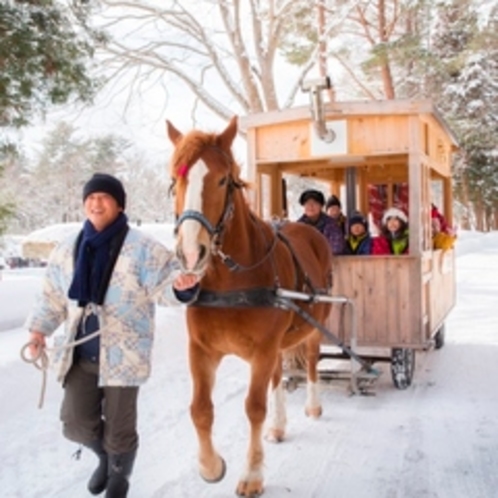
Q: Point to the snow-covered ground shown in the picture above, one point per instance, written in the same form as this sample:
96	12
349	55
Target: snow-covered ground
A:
437	439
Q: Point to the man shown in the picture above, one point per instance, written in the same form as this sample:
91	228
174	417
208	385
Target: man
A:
313	201
108	279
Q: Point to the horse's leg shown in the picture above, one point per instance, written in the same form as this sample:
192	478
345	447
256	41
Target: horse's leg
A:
277	415
203	369
251	480
313	407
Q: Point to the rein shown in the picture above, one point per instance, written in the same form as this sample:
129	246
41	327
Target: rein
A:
234	266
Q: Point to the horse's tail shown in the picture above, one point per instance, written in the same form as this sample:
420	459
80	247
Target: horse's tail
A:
294	358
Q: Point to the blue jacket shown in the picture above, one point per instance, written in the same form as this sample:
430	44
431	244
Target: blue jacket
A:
362	248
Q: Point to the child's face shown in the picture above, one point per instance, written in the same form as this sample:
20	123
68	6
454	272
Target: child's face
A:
393	224
436	225
334	211
357	229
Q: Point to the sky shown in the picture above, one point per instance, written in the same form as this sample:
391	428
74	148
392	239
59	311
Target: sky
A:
138	111
437	439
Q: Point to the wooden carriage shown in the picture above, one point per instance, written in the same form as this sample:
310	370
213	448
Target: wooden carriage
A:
393	152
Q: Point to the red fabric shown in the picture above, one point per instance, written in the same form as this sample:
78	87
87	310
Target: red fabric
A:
380	246
377	200
435	213
401	196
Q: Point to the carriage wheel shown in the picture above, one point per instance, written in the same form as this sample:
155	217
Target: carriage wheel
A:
439	337
402	367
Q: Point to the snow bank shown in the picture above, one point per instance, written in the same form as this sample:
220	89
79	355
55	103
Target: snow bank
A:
39	244
471	242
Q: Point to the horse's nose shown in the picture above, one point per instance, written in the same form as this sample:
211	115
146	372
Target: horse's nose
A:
191	259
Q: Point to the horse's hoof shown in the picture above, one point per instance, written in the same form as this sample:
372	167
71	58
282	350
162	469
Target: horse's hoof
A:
315	412
275	435
221	475
251	489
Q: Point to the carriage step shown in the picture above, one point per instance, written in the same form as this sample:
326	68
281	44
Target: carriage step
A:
361	382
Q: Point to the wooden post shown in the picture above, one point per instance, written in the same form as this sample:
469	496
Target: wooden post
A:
415	182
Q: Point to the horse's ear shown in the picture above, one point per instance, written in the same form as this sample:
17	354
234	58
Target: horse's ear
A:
173	134
227	137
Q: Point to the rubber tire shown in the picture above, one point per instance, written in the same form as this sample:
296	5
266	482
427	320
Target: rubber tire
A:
439	337
402	367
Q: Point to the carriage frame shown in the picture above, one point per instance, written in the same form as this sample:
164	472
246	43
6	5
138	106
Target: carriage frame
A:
400	302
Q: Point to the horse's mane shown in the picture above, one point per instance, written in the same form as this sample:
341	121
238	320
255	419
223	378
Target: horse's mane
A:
190	149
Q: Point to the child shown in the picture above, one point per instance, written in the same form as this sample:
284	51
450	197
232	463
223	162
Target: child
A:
394	234
359	241
443	237
333	209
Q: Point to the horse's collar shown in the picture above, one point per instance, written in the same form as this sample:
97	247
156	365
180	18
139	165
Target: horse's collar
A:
258	297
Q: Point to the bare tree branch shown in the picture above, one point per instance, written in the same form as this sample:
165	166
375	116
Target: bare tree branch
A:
223	51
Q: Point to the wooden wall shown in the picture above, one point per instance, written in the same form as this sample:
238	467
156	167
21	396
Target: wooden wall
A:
386	291
400	301
441	288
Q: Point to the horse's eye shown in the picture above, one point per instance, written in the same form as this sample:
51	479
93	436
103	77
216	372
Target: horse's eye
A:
223	181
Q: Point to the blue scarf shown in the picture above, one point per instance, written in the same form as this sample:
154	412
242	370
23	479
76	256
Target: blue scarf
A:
92	260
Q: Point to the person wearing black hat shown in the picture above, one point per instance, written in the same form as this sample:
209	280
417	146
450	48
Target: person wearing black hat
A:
333	209
313	201
103	285
312	194
359	241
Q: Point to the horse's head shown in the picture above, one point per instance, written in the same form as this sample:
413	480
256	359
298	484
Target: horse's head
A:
204	175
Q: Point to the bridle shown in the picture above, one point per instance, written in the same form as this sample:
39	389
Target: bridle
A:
216	232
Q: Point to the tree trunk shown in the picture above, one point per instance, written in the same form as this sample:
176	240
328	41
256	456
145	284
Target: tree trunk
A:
385	69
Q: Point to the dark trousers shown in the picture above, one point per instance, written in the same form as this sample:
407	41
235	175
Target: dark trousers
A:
90	412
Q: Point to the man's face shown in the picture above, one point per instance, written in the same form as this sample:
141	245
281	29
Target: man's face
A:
101	209
312	209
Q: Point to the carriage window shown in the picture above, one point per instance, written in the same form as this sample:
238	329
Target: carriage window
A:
384	196
377	203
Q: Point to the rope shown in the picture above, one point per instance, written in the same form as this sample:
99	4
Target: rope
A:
41	360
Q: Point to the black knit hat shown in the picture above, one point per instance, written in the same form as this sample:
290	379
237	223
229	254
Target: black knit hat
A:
102	182
316	195
357	218
333	200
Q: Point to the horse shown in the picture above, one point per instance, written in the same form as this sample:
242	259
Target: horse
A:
242	261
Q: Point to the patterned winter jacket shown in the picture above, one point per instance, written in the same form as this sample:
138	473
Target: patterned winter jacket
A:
142	277
331	229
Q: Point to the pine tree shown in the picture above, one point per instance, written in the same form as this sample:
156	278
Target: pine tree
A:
43	57
466	83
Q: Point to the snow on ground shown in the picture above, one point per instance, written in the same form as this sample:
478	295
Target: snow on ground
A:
437	439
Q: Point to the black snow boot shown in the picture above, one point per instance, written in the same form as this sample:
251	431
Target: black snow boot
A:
120	467
98	481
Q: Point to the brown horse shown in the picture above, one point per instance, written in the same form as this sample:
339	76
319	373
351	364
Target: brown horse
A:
243	260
